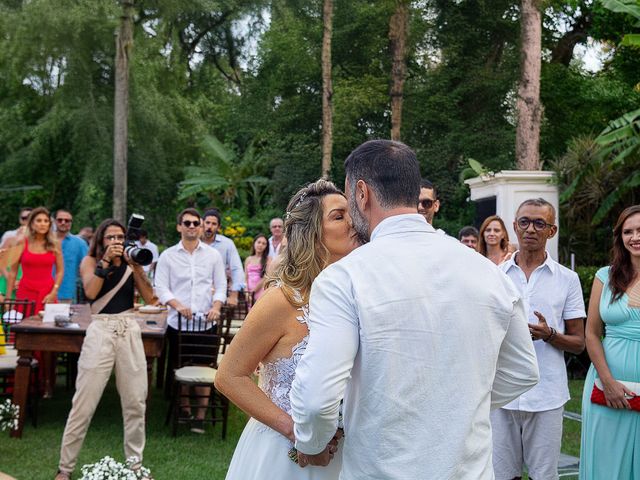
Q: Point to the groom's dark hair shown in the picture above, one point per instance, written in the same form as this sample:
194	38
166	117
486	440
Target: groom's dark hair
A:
389	168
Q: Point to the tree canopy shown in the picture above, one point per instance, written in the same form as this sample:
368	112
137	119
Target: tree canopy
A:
246	75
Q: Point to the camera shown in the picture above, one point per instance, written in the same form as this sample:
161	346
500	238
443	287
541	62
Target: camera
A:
140	255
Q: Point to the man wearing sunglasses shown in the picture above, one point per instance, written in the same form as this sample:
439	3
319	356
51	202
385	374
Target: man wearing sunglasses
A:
528	431
190	279
428	202
74	249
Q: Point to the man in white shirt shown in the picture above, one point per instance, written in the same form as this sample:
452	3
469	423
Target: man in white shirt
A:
227	250
528	431
276	227
144	242
190	279
419	346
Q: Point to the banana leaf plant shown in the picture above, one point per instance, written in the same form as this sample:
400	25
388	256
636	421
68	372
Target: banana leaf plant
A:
226	176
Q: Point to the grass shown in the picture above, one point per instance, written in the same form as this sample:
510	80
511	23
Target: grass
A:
571	428
188	456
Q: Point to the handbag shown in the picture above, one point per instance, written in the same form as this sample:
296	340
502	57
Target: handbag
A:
597	394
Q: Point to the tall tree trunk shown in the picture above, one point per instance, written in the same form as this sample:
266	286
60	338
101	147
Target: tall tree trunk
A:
528	103
327	89
124	43
398	26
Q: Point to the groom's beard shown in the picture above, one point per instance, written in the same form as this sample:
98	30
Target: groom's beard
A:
359	223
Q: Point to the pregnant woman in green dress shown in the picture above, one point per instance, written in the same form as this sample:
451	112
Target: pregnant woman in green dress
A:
611	434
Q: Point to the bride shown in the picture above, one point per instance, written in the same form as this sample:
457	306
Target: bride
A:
274	335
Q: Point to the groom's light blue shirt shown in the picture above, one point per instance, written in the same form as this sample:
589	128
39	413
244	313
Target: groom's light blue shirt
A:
421	336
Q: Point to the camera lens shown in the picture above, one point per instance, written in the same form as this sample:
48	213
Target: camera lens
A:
141	256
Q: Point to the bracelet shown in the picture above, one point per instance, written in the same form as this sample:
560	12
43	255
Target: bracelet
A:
551	335
106	261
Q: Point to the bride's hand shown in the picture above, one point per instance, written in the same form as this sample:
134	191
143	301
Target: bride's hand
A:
284	425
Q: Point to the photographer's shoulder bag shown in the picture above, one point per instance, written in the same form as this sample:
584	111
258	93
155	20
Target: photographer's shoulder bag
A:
98	305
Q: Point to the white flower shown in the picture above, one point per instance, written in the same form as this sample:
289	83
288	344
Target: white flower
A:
110	469
9	414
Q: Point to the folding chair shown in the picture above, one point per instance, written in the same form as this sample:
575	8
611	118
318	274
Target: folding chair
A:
198	345
12	312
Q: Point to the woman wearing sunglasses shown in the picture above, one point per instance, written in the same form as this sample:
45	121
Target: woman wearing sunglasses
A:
110	280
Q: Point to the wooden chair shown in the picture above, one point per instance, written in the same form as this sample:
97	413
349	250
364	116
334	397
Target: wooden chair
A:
198	345
12	312
232	319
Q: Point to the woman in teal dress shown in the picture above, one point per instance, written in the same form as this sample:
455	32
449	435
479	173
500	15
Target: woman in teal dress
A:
611	434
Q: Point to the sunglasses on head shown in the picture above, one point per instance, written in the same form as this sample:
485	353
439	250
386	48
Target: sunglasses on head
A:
188	223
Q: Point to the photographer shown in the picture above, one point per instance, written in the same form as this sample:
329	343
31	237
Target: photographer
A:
110	278
104	267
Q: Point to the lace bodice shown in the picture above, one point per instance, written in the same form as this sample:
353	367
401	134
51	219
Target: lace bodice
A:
276	377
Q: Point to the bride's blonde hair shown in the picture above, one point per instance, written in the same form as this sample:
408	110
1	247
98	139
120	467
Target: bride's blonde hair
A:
305	255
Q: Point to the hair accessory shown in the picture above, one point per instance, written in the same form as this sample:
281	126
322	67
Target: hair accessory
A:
298	203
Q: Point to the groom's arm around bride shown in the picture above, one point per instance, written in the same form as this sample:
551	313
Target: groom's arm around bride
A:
418	333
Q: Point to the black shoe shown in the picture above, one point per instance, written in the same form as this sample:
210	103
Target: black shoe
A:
197	426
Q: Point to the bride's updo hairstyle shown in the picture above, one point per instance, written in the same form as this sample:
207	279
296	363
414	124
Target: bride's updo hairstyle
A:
305	255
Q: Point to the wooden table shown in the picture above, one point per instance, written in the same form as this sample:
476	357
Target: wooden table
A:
32	334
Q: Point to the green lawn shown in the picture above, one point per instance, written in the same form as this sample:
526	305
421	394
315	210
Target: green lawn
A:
188	456
571	428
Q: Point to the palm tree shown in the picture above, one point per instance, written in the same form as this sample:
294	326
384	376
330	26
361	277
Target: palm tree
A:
398	32
528	101
327	89
124	44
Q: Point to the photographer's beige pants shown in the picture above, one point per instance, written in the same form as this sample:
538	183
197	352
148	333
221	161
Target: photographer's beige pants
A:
113	340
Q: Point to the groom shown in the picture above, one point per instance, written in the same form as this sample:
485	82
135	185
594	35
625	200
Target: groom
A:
420	335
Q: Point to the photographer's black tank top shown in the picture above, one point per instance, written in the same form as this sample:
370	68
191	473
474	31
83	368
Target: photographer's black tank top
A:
123	299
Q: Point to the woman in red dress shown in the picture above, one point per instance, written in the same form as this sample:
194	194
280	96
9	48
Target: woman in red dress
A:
38	253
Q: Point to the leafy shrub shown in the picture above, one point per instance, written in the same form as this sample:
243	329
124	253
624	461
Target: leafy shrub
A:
586	275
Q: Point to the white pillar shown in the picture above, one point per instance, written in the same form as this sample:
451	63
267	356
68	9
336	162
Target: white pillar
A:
511	188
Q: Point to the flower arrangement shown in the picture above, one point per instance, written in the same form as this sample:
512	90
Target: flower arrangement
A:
110	469
9	414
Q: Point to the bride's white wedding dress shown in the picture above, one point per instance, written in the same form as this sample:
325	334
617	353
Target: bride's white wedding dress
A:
262	453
